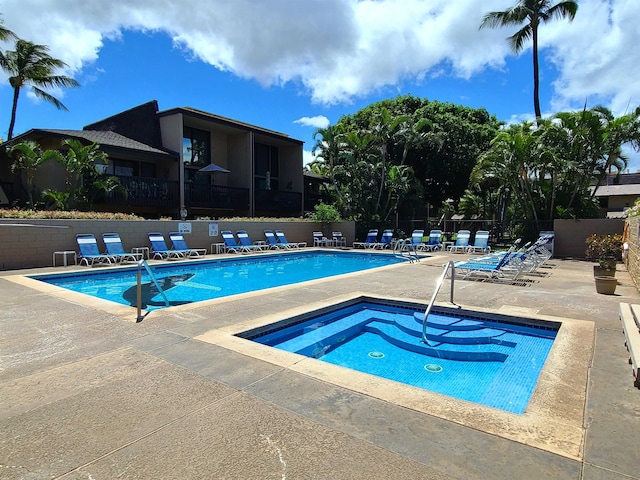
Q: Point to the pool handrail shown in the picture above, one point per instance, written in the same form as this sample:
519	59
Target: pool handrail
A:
143	264
450	264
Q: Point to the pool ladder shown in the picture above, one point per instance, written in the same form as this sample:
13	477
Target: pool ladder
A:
143	264
449	265
405	246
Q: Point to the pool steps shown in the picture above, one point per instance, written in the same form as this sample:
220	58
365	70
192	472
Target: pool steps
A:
468	340
453	351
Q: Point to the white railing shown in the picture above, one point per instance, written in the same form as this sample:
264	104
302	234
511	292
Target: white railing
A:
450	265
143	264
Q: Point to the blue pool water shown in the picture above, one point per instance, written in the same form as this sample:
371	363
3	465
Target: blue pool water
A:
194	281
480	359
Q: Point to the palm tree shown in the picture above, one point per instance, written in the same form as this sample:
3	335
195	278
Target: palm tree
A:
29	157
31	64
534	13
5	33
329	145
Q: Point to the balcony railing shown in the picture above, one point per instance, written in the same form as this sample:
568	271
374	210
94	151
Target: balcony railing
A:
216	197
145	191
278	202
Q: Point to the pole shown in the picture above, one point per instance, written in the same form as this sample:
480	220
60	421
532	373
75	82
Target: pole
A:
139	293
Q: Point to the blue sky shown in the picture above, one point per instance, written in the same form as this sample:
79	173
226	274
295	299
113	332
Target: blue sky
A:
293	65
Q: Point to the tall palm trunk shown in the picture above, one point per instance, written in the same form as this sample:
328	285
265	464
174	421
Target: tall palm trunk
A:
536	74
14	108
383	175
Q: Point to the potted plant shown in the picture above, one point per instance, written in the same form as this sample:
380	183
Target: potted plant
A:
606	250
606	285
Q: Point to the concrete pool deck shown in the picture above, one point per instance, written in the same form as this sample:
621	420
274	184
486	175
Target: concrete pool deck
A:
87	393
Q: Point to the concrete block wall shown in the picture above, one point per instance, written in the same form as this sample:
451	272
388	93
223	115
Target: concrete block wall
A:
31	243
633	256
570	235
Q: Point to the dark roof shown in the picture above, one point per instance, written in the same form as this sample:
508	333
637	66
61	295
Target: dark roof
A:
622	179
140	123
194	112
104	138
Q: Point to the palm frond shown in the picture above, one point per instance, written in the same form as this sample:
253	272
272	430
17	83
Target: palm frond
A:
47	97
518	40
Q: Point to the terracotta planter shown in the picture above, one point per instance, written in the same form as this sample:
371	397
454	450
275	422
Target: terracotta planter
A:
599	271
606	285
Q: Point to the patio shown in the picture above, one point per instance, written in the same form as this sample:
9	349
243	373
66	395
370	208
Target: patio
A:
89	394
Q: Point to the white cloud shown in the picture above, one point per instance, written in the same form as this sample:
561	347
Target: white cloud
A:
307	157
597	57
319	121
338	50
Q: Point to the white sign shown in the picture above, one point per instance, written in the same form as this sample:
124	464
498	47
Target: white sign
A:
184	227
213	229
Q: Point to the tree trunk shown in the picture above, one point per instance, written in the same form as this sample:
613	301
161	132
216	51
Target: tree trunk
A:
16	93
536	79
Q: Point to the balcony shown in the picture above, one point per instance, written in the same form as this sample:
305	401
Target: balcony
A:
272	202
216	197
145	192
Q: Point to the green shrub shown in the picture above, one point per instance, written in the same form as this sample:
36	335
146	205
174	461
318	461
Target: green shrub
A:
325	213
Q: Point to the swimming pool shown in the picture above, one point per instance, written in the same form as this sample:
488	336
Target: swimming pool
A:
493	360
194	281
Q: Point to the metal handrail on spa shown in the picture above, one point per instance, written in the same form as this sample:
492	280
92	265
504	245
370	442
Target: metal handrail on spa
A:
450	264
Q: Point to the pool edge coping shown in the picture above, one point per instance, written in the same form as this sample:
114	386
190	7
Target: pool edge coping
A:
129	313
553	421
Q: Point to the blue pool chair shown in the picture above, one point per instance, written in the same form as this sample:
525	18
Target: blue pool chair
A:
370	241
89	252
231	245
462	242
282	240
179	244
385	239
480	243
319	240
113	243
338	239
160	250
416	240
507	268
246	242
272	240
434	241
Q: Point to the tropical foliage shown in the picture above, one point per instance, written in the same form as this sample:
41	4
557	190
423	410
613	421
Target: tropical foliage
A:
399	154
552	170
603	247
84	181
28	158
633	211
324	213
532	13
